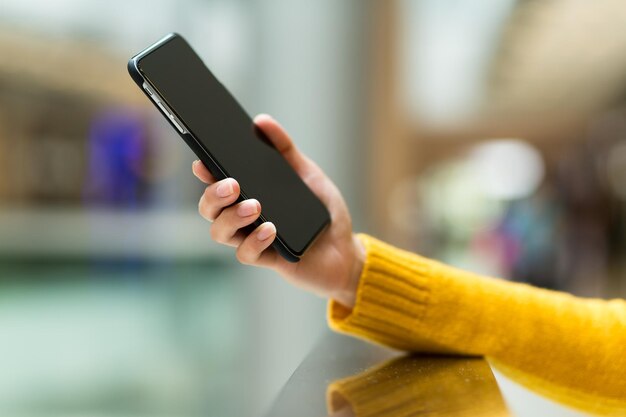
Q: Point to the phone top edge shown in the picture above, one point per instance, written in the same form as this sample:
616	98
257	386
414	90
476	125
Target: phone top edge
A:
154	46
141	80
133	63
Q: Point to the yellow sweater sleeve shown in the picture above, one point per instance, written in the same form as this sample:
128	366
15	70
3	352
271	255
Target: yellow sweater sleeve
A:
569	348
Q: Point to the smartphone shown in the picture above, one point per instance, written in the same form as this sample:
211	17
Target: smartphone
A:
223	136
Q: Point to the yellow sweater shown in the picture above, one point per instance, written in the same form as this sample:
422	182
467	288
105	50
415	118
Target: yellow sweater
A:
571	349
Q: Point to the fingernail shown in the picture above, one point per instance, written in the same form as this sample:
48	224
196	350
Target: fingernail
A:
267	230
225	188
194	163
248	208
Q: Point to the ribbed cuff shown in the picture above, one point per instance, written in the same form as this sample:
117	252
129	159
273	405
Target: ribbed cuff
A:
392	297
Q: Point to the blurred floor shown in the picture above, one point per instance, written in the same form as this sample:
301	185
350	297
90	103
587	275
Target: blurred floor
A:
82	338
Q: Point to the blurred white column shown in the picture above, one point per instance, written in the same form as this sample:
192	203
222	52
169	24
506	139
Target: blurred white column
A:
311	80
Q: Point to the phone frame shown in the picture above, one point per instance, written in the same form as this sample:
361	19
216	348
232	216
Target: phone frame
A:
199	149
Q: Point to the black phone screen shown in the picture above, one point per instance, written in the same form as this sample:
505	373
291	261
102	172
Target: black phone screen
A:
216	120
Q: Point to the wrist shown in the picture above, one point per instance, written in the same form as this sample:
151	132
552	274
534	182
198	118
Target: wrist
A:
347	296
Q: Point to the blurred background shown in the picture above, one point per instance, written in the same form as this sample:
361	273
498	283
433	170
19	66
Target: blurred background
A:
490	135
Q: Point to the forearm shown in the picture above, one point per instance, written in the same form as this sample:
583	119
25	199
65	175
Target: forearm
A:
413	303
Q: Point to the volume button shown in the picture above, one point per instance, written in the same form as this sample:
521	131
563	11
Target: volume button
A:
175	123
162	107
155	97
148	89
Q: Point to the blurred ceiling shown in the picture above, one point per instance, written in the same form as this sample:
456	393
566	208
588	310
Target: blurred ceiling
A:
566	57
563	56
66	66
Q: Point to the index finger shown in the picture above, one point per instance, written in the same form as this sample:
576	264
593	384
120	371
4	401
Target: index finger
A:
202	173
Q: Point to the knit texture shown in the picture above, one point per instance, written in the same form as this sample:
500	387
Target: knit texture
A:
415	386
570	348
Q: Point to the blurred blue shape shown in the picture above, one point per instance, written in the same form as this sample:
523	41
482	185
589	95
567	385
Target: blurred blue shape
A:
117	150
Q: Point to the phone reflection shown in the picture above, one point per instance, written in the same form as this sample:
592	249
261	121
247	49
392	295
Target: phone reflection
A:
418	385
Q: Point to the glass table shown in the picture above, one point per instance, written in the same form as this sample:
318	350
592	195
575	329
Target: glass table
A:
170	339
345	377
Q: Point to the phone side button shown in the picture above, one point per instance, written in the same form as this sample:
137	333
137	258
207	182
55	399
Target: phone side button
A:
148	89
177	125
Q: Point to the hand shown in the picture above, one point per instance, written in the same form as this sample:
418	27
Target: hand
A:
347	411
331	266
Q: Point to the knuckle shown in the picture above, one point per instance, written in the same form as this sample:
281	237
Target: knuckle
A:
242	256
204	206
201	207
201	202
209	195
215	233
212	232
207	192
205	212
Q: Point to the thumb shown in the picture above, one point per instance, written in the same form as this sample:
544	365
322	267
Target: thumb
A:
283	143
306	169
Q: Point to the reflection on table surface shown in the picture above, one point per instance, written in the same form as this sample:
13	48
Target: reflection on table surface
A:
344	377
414	385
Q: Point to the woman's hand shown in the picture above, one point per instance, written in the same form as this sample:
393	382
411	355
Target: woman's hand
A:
331	267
